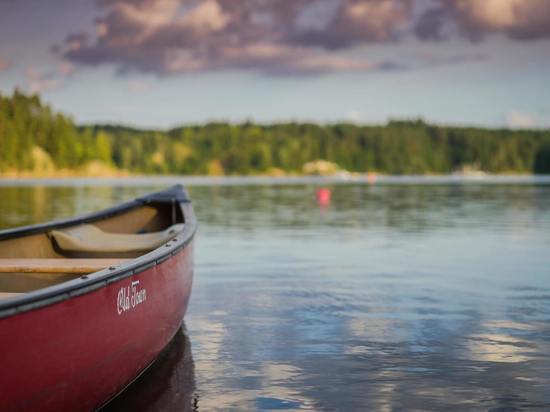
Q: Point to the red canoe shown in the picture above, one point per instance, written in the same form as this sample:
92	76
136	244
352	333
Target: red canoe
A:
87	304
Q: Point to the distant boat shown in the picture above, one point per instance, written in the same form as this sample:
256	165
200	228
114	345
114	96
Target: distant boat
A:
87	304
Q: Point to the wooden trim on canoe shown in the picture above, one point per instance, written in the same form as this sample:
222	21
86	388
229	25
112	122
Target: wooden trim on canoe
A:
57	265
5	295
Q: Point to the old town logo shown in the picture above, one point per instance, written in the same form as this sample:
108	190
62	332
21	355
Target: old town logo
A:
130	296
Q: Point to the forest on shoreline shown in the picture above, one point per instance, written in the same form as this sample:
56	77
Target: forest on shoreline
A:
37	141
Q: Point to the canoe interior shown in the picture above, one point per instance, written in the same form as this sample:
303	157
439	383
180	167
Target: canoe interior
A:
35	261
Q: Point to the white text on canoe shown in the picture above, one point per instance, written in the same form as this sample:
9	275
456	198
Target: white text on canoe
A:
130	296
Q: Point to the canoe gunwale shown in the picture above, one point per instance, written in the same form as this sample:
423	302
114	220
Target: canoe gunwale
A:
97	280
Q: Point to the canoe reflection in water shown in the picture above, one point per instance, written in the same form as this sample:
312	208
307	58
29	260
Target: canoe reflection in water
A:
168	385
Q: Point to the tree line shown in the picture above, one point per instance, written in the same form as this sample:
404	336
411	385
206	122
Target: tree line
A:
33	137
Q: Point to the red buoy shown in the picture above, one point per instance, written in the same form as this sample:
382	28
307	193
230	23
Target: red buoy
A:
323	196
371	178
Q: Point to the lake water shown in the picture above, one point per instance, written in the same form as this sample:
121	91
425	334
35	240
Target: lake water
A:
415	294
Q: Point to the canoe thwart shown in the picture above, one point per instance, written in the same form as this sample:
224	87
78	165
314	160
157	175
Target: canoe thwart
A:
56	265
5	295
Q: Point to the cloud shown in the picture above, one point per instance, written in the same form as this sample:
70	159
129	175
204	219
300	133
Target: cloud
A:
38	82
268	36
436	60
518	19
355	116
284	37
358	22
66	69
138	86
521	120
4	64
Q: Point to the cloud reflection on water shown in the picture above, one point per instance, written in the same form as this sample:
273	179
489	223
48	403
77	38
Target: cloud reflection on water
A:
394	298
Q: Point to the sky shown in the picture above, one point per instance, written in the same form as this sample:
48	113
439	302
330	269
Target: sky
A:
162	63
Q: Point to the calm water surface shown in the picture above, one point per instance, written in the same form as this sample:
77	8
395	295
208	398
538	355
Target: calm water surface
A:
406	296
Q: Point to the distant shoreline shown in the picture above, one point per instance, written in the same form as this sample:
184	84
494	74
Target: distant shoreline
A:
112	173
157	180
37	142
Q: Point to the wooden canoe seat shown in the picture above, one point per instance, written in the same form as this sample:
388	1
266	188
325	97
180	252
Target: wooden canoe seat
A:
76	266
5	295
91	239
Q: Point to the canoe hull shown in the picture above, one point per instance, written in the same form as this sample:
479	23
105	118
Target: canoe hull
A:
78	353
